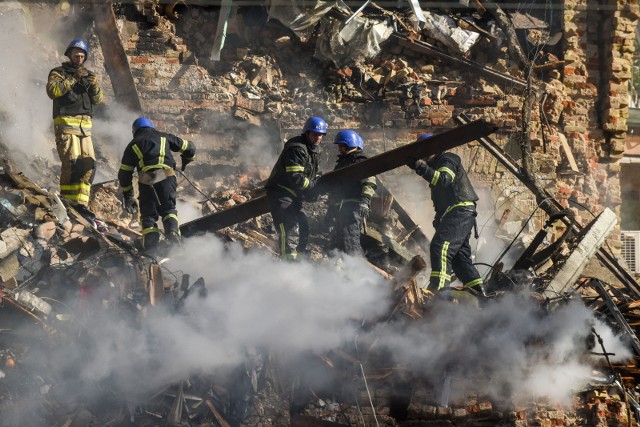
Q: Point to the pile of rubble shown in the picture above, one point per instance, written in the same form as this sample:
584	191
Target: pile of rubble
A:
57	272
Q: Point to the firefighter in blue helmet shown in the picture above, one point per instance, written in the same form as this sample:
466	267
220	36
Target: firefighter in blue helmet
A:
293	178
349	204
454	201
74	91
150	153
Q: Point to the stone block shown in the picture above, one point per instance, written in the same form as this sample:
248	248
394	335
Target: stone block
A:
460	412
46	230
254	105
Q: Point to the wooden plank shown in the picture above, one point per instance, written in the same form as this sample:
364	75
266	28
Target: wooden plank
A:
115	58
568	153
372	166
218	416
156	285
393	246
589	244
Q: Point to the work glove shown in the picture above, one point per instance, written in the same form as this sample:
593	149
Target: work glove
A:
311	193
129	203
185	162
92	79
80	73
420	166
363	210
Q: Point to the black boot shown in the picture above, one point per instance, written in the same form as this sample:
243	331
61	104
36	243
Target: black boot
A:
174	238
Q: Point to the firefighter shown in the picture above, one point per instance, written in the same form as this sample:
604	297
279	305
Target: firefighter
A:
349	204
150	153
454	201
293	178
74	91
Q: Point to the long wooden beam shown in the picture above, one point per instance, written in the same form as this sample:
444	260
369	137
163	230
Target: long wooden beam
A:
373	166
115	56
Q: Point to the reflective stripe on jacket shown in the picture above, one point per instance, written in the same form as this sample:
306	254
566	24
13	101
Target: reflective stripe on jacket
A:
450	185
296	166
70	96
149	150
360	191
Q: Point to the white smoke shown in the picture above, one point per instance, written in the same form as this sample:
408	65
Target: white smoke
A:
110	135
254	301
513	349
511	344
25	109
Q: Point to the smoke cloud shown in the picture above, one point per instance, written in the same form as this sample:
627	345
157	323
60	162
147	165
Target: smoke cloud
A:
509	348
516	350
25	109
255	301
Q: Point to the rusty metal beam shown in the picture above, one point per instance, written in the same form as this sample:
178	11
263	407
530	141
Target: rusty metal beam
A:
373	166
115	57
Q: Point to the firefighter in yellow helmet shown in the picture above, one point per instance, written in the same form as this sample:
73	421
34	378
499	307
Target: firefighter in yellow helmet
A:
74	91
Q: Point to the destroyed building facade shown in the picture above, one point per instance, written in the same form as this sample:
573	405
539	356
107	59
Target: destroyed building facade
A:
240	79
579	56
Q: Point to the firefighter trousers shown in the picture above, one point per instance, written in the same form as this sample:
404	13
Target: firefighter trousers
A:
78	166
450	250
291	223
348	229
158	201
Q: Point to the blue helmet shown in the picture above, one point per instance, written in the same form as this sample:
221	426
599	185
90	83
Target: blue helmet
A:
350	138
141	122
80	44
315	124
424	136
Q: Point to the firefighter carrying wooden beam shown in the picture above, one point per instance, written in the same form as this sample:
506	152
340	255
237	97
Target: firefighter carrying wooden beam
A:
454	201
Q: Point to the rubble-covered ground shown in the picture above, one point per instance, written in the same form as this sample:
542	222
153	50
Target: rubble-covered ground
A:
220	332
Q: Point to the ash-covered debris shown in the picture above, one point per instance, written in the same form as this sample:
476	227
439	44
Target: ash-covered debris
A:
96	333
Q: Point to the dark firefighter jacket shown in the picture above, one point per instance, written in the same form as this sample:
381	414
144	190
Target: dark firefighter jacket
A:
296	167
151	149
72	97
359	192
450	185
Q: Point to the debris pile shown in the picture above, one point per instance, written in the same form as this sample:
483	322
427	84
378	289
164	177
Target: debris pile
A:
57	271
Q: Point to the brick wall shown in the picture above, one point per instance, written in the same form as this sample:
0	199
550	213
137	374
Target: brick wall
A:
586	100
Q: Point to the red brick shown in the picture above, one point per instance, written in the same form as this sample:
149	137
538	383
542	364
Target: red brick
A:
139	60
